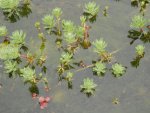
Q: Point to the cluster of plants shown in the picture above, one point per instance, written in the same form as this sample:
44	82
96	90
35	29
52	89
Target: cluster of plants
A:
140	30
20	61
14	9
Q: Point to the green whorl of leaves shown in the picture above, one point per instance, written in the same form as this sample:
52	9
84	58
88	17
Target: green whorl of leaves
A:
9	51
68	26
3	31
18	37
140	50
48	21
118	70
69	37
100	46
88	86
91	8
9	4
10	66
138	22
99	68
66	58
28	74
57	12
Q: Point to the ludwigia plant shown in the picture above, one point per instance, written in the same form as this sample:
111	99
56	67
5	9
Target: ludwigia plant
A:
100	48
118	70
99	68
88	86
140	50
138	22
91	10
3	31
13	9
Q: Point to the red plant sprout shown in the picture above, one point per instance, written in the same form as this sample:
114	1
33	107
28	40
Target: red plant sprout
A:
43	101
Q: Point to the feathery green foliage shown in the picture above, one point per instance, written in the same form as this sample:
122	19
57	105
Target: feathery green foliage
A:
9	4
140	50
138	22
28	74
68	26
69	37
66	58
57	12
9	51
100	46
91	8
88	86
18	37
118	70
10	66
3	31
69	76
49	22
99	68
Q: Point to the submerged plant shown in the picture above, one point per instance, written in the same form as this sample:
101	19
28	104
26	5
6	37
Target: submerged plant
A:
138	22
28	75
66	58
91	9
99	68
88	86
3	31
10	66
49	22
100	46
118	70
140	50
9	51
18	37
57	12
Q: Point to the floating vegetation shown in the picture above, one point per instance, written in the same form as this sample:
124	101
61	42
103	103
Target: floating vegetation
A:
3	31
88	86
99	68
138	22
118	70
91	10
140	50
14	9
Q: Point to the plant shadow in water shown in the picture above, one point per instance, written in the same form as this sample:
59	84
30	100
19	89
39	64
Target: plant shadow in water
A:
136	61
23	11
134	35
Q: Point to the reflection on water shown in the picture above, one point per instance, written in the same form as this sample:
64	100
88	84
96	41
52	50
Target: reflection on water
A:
132	89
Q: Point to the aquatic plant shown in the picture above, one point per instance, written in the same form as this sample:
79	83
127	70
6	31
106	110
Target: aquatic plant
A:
10	66
70	37
83	20
118	70
140	50
3	31
28	75
138	22
88	86
9	51
69	76
9	5
68	26
57	12
49	22
66	58
91	9
99	68
99	46
18	37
